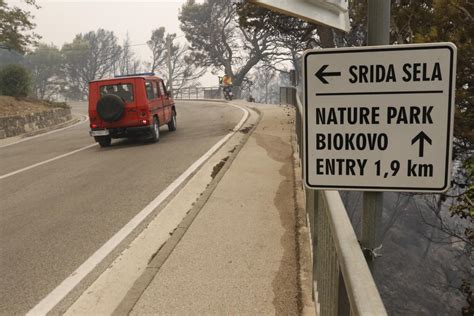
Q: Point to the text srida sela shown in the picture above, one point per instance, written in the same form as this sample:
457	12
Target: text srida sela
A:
409	72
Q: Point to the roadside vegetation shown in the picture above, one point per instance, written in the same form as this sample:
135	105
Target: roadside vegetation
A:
22	89
15	81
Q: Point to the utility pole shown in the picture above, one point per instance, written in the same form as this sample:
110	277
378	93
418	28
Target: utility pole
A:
378	33
170	69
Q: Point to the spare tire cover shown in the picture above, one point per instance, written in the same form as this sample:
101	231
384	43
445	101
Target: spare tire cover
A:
110	107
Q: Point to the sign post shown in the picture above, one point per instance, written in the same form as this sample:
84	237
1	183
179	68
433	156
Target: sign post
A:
378	33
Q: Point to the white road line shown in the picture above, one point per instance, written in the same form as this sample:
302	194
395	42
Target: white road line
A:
83	120
45	162
63	289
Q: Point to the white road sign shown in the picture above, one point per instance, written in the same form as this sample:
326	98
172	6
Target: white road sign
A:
379	118
334	13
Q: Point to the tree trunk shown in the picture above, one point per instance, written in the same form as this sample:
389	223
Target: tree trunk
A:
326	36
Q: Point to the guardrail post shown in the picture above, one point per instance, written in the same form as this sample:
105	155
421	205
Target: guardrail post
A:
314	239
293	77
371	220
322	257
333	278
343	304
311	209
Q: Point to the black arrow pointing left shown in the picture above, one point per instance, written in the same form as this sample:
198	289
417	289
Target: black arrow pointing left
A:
321	74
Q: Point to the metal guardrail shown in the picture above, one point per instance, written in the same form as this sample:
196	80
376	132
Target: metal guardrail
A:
191	93
342	282
286	95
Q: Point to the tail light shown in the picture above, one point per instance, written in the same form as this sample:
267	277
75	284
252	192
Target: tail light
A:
144	122
93	125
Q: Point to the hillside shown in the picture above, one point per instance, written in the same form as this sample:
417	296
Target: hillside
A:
10	106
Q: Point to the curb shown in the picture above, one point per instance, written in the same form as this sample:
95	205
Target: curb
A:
19	124
206	100
4	142
306	303
50	128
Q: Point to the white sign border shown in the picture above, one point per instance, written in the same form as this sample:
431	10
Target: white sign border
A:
449	141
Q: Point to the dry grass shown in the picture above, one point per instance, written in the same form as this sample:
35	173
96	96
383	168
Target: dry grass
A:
10	106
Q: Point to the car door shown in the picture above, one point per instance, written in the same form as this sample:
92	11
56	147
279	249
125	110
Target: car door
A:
155	100
166	101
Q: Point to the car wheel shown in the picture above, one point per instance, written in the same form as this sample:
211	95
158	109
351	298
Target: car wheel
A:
104	141
155	131
173	124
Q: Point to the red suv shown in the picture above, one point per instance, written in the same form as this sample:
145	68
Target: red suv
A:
129	105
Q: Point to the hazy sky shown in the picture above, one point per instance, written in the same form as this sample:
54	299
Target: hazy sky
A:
58	21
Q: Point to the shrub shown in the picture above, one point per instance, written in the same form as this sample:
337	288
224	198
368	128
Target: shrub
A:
15	81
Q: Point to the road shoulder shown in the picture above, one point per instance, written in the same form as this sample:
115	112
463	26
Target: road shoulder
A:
241	253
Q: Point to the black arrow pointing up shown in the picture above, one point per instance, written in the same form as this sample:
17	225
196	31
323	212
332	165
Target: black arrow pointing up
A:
421	137
321	74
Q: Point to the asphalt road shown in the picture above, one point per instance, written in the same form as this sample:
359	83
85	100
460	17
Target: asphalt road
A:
56	215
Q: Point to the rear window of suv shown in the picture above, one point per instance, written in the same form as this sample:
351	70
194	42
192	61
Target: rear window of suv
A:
123	90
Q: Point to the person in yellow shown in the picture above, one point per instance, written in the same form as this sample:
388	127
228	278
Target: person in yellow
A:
227	80
227	86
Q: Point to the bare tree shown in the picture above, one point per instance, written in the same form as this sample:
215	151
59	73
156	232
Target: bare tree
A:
264	78
445	228
180	70
157	45
90	56
172	60
293	35
219	42
45	66
128	63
